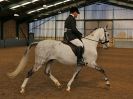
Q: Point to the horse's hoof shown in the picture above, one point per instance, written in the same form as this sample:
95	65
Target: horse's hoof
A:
58	84
107	83
68	89
22	91
106	79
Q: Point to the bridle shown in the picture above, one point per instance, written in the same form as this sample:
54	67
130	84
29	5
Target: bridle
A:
101	41
106	41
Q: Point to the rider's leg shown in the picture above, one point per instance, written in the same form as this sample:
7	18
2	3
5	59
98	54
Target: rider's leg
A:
80	60
79	44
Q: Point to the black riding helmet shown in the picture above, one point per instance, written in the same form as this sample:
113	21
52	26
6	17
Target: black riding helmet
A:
74	9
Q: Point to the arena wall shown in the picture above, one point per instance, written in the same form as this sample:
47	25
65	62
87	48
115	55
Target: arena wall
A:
119	20
13	34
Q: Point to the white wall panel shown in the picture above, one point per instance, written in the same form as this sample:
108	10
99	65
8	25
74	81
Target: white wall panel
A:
99	14
81	15
101	11
80	26
123	14
123	24
59	30
99	6
62	16
123	29
43	28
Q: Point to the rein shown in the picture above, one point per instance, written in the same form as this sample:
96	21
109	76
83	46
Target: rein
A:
92	40
97	41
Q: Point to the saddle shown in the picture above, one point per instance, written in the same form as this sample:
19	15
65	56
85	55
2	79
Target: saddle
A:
72	46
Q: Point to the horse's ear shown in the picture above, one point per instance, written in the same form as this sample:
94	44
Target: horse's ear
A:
106	27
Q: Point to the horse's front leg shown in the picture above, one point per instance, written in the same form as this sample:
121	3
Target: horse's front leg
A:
78	69
100	69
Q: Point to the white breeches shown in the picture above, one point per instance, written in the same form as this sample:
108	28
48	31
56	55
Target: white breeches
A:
77	42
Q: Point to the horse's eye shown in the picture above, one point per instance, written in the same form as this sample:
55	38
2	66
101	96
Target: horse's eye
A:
107	34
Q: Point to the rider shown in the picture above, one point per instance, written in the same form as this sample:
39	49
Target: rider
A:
73	35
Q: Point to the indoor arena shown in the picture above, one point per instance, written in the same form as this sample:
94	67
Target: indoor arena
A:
38	62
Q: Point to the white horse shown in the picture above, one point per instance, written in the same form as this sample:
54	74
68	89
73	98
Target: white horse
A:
48	51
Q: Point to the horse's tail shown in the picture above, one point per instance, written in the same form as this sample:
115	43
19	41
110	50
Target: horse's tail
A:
23	62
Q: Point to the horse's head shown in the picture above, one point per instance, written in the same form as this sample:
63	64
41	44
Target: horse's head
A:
99	35
104	37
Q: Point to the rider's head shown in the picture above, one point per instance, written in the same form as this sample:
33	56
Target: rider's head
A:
74	11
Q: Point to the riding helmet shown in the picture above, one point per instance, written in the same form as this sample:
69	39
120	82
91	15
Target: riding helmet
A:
74	9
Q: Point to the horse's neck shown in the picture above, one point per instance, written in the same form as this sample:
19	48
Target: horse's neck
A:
93	38
90	42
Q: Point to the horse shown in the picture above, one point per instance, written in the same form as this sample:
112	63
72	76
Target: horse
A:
48	51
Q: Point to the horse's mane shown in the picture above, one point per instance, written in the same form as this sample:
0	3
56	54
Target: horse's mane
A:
93	30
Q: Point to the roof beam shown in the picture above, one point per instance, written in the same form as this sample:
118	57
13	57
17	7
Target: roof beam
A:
120	3
51	12
44	13
3	0
48	6
22	4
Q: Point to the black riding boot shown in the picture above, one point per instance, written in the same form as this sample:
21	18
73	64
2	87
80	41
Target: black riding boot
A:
80	60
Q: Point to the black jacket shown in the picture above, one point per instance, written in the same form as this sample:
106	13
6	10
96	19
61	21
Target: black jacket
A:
71	33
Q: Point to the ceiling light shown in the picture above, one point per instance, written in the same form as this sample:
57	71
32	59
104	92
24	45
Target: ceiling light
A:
3	0
35	10
31	11
39	9
16	14
59	12
47	6
58	3
50	6
66	1
34	1
35	19
23	4
16	6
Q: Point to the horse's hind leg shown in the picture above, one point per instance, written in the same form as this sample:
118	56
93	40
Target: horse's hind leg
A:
29	74
48	73
101	70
